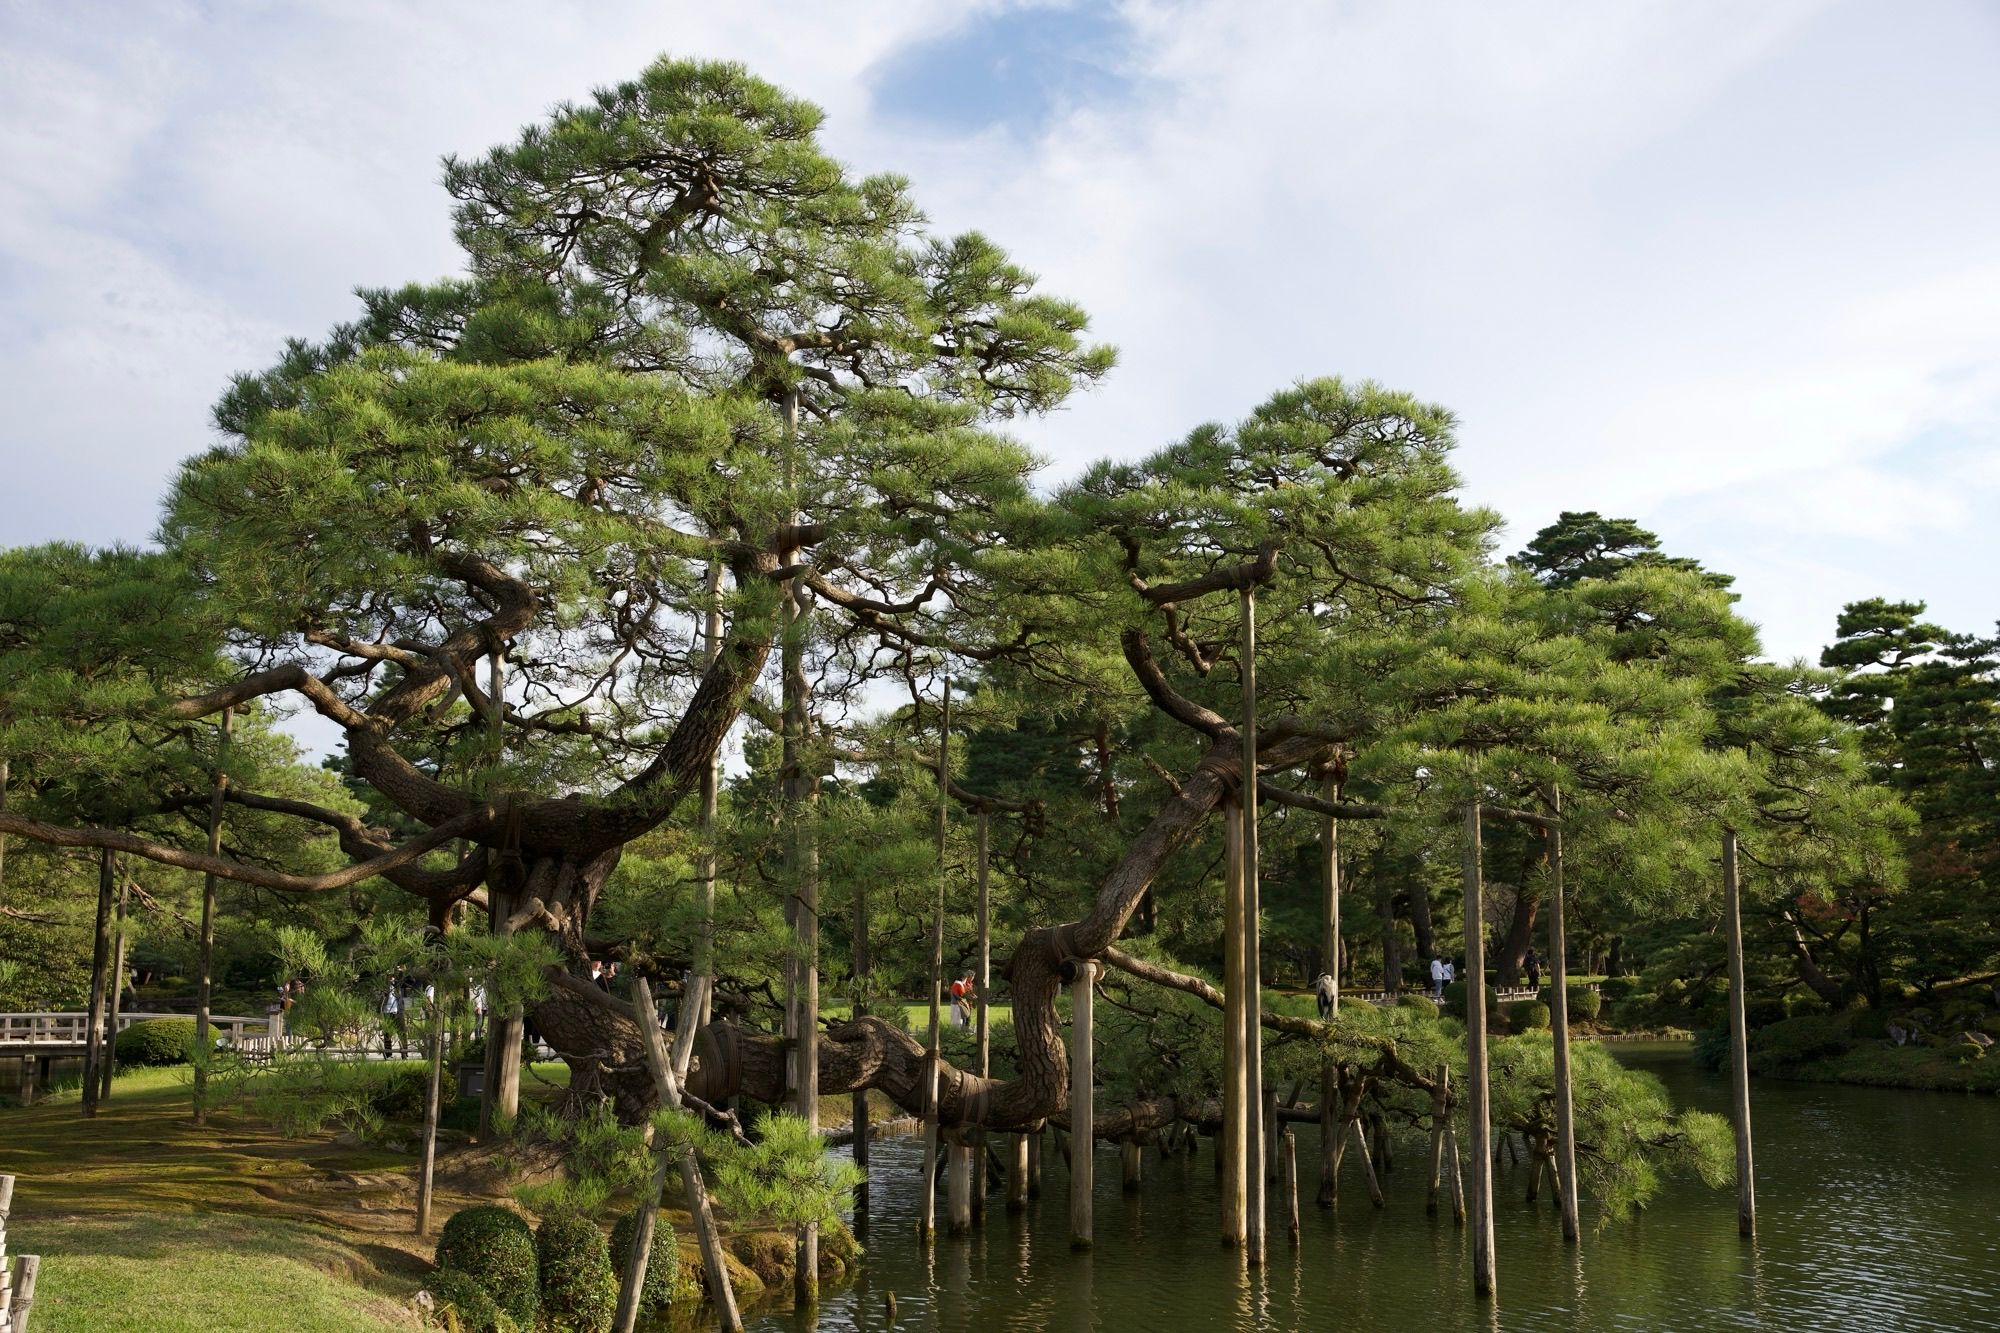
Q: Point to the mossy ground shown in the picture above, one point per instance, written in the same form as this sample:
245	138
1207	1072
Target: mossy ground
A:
148	1222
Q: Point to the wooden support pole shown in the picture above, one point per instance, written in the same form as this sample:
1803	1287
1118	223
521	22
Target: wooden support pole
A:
1478	1117
1035	1140
1367	1161
1739	1040
1256	1150
1457	1177
100	962
500	1097
801	788
1131	1165
1440	1117
1082	1102
667	1084
984	978
1565	1163
1291	1184
927	1219
1329	1075
204	995
432	1095
1233	1144
115	997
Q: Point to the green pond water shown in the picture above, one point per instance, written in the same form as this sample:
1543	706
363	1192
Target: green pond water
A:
1877	1210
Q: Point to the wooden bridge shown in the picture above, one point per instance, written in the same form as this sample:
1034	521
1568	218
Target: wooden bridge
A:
39	1040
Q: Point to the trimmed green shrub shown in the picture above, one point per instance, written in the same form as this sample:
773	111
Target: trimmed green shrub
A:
494	1247
662	1267
157	1041
401	1089
465	1305
1454	1000
1614	989
1585	1004
1762	1013
1800	1040
1422	1004
1527	1016
1872	1024
579	1290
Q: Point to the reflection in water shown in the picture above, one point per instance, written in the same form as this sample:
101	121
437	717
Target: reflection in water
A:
1874	1208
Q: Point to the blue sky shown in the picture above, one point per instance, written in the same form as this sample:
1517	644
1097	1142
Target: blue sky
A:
1731	270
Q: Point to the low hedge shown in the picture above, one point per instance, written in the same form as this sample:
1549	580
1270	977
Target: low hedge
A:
1800	1040
579	1290
1527	1016
662	1267
494	1247
1422	1004
157	1041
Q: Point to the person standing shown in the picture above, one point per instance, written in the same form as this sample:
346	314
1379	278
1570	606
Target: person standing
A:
1438	970
1534	966
392	1013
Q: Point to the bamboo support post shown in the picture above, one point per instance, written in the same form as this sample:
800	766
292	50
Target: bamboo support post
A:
1739	1045
1017	1172
1035	1141
1477	1113
1082	1102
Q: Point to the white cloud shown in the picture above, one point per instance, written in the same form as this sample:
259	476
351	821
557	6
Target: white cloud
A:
1675	260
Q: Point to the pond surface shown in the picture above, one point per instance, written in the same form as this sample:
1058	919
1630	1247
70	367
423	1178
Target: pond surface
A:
1877	1210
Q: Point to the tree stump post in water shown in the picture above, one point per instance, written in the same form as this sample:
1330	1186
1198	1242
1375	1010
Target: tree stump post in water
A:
1476	1102
1017	1171
1739	1044
1082	1102
958	1189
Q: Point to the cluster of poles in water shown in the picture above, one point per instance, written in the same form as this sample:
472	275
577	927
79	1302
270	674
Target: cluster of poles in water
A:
1251	1130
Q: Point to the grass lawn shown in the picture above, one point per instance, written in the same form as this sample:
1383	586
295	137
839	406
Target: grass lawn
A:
145	1221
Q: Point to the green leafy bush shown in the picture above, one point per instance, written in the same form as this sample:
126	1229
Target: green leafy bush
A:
1872	1024
662	1267
400	1090
1585	1004
464	1305
157	1041
579	1291
1527	1016
494	1247
1711	1049
1422	1004
1762	1013
1800	1040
